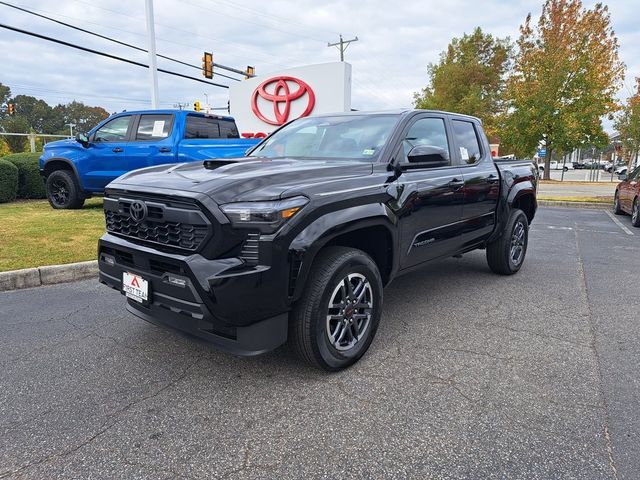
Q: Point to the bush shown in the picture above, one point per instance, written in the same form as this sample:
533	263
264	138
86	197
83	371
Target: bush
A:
8	181
30	183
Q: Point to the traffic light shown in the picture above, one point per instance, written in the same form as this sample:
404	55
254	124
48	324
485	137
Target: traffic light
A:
12	109
196	106
251	72
207	65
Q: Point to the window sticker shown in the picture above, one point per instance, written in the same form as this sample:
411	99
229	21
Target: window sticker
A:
464	153
158	129
368	151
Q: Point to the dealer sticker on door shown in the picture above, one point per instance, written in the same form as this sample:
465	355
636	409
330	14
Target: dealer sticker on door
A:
135	287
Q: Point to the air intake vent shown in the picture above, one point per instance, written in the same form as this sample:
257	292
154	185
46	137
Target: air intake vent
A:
250	253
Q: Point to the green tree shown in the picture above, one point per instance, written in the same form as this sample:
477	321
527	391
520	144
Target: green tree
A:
83	116
15	124
564	81
35	111
469	78
628	124
5	94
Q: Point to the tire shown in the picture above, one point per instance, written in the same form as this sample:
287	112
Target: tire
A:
617	209
635	213
501	253
313	321
566	169
63	191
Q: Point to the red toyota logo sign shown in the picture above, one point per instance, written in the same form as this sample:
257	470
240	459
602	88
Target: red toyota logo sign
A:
281	94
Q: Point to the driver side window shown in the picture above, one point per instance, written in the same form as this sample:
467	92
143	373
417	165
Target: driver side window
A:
427	131
113	131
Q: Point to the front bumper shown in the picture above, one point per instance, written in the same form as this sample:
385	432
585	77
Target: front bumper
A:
236	309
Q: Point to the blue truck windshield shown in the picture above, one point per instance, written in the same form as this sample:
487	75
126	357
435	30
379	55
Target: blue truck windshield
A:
340	137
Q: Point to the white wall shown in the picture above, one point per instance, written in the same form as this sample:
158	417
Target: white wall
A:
330	83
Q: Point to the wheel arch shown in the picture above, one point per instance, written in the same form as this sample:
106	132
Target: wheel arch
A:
57	163
370	228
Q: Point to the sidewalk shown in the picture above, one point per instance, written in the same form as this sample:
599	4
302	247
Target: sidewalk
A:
574	189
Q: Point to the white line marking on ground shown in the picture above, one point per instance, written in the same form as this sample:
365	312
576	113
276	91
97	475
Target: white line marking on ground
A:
619	223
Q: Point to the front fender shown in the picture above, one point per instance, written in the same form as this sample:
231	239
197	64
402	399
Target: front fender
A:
308	242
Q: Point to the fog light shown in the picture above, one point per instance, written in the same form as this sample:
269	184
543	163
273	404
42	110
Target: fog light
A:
177	281
109	260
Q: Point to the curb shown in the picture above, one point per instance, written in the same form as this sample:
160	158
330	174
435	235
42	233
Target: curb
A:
557	203
48	275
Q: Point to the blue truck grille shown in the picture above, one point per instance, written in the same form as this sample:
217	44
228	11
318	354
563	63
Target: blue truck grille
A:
156	227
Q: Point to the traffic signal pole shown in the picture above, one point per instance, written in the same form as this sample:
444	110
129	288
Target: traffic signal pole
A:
153	65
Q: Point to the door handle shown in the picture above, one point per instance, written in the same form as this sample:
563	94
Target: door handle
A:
164	149
117	150
455	183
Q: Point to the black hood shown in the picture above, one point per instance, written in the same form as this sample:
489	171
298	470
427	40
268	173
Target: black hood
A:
244	179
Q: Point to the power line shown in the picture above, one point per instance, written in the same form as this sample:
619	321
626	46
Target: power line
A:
108	55
95	34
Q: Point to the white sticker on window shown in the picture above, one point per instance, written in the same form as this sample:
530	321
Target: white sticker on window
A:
158	129
368	151
464	153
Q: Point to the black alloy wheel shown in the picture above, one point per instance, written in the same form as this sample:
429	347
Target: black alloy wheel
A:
335	320
505	255
63	191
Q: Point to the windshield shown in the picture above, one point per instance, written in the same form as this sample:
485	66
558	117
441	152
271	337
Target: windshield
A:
358	137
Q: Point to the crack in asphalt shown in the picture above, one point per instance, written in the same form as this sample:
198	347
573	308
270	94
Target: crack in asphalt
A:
592	331
106	425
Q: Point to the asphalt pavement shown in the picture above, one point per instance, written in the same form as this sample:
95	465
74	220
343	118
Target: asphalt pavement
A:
471	375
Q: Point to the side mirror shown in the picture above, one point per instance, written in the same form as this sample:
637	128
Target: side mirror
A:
622	177
82	139
428	156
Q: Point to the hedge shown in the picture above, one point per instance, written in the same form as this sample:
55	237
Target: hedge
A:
30	183
8	181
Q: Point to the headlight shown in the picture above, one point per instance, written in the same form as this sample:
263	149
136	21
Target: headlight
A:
265	216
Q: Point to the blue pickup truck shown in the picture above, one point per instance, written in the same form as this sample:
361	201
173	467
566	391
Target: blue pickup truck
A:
78	168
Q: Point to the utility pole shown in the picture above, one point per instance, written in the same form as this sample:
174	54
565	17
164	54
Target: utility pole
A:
342	45
153	66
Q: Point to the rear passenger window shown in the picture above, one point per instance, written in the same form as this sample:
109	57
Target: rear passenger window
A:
154	127
467	140
228	129
202	127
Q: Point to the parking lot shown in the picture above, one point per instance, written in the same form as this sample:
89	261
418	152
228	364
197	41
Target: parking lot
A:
471	375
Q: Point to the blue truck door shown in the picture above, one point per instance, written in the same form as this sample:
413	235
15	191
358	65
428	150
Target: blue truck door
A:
153	140
106	157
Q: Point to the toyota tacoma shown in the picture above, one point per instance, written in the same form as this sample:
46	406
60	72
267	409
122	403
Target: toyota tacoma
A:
295	241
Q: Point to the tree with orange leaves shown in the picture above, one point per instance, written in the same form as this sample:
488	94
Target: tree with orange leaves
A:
565	77
628	125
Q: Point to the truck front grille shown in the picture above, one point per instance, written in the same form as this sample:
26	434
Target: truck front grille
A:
167	225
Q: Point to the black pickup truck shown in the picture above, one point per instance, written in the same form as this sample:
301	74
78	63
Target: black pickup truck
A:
296	240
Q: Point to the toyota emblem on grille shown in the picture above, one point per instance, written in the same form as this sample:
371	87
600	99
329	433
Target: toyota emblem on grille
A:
138	211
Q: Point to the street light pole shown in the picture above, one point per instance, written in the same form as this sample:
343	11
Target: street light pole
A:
71	125
153	67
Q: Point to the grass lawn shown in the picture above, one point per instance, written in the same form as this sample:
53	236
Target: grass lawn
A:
33	234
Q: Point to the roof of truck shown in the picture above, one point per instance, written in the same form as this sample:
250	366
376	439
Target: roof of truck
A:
396	111
171	111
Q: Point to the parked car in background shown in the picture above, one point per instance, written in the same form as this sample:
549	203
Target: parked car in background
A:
77	169
611	166
627	196
556	166
621	170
